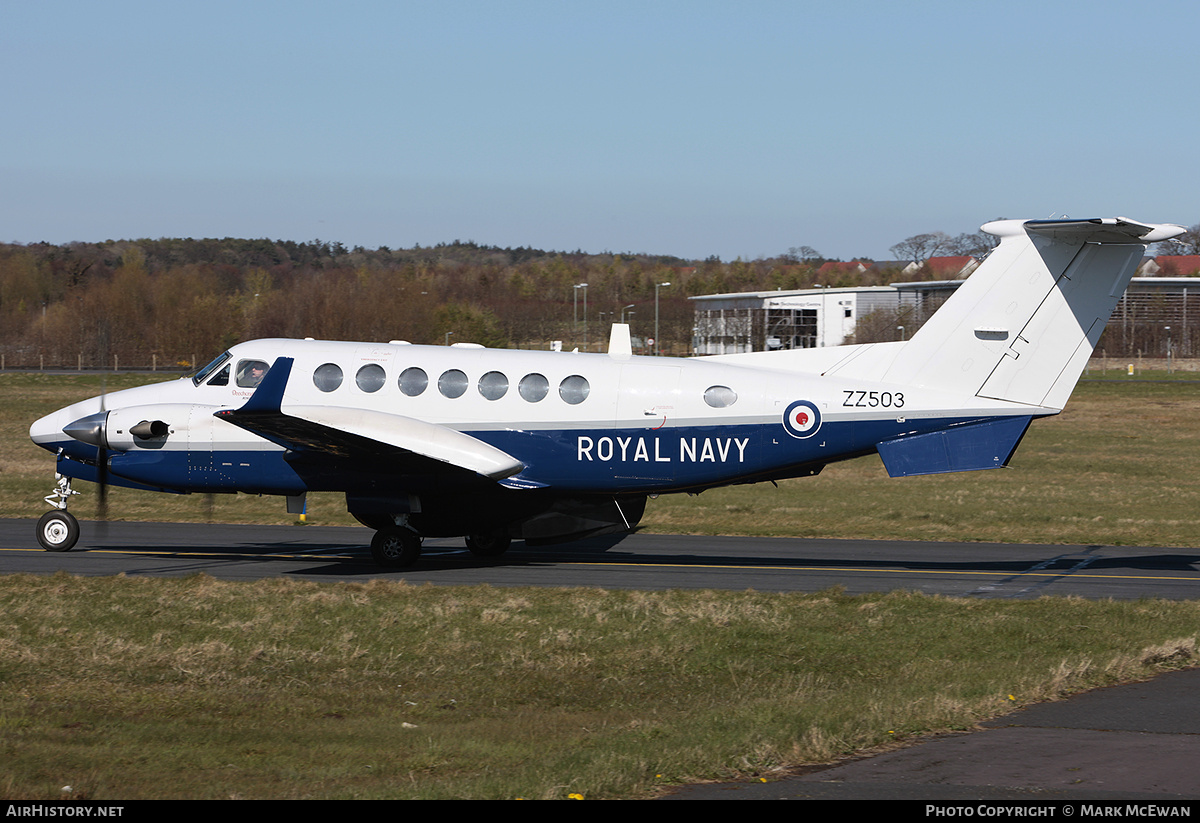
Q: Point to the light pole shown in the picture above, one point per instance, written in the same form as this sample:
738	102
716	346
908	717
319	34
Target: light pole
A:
630	306
576	288
657	339
448	337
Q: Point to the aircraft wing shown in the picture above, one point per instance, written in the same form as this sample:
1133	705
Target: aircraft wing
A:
362	435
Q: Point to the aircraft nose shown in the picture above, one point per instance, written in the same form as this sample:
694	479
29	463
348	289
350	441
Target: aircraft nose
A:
47	430
89	429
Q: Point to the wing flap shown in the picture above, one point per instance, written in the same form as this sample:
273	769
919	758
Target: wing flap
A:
408	434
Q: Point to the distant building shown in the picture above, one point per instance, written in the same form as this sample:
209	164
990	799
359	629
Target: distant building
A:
1166	265
835	267
1155	313
951	268
799	319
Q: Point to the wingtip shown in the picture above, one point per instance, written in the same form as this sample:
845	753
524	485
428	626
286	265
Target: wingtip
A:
269	395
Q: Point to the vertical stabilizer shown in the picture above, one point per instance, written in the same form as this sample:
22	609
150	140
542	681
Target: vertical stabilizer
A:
1023	325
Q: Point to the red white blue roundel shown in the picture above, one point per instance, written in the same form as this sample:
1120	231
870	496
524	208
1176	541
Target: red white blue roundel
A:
802	419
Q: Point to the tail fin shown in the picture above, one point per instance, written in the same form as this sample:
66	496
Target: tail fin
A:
1023	325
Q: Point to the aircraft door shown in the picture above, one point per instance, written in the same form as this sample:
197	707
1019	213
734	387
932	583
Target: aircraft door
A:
202	467
645	444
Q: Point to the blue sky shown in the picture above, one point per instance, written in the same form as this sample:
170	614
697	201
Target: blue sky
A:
738	129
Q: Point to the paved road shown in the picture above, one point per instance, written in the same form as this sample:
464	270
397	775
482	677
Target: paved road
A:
1117	746
638	561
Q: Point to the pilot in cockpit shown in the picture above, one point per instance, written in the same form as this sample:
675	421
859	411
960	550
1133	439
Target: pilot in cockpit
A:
251	373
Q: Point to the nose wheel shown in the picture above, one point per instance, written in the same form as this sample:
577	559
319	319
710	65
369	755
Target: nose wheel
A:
58	531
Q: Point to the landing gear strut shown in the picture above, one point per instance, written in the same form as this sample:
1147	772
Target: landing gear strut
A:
58	530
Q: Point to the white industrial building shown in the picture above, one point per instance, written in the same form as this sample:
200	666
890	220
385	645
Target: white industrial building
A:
804	318
1155	315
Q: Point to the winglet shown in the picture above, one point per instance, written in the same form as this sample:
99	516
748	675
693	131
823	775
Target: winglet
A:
269	394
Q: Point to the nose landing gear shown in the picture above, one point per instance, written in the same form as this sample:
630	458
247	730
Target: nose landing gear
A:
58	530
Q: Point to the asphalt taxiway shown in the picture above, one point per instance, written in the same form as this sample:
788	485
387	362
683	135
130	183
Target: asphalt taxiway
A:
634	561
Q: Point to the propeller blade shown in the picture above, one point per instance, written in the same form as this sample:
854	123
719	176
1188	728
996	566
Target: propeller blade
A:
102	464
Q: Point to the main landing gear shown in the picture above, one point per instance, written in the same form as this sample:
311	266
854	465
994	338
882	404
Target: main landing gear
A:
398	547
490	544
58	530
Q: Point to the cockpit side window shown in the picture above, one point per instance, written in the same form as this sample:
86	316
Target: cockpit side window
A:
250	373
205	372
221	378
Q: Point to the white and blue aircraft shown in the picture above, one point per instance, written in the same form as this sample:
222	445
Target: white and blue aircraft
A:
552	446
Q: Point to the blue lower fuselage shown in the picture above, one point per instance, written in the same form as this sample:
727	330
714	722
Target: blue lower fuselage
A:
568	461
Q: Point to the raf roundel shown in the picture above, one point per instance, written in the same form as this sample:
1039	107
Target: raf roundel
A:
802	419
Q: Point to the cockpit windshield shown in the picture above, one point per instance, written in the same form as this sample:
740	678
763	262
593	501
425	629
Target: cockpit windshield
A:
203	374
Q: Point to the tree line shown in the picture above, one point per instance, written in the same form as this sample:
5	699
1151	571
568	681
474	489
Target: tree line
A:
173	301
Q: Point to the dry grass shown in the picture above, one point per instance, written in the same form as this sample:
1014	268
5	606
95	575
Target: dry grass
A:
197	688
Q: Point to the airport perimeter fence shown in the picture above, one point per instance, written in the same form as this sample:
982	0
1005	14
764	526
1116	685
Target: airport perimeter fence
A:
13	358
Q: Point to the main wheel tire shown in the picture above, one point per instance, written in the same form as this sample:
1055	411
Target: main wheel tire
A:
58	531
490	544
396	547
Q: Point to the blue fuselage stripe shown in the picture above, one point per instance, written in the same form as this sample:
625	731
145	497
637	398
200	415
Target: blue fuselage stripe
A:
566	460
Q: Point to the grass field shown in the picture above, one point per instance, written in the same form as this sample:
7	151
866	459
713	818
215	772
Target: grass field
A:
124	688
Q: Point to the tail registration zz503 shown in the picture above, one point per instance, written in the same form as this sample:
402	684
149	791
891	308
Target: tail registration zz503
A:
862	399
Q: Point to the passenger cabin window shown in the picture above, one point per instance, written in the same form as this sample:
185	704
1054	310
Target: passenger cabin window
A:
413	381
534	387
327	377
452	383
371	377
493	385
574	389
250	373
720	396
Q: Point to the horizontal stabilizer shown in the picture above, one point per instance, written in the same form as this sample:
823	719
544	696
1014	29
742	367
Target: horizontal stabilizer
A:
970	447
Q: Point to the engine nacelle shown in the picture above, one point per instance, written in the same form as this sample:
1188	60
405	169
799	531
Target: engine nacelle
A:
145	427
